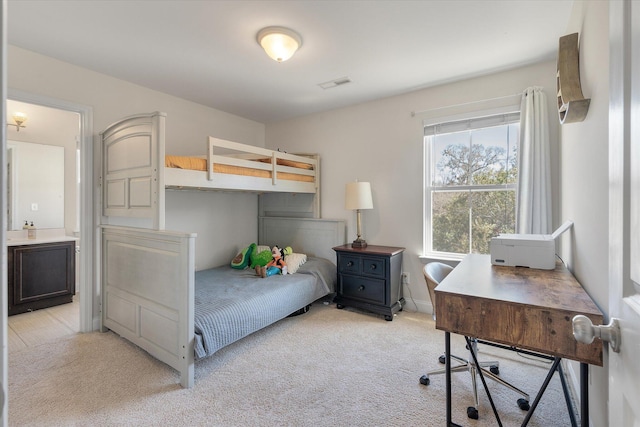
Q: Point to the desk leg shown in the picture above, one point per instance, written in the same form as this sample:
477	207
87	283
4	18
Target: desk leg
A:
584	395
447	367
543	388
447	372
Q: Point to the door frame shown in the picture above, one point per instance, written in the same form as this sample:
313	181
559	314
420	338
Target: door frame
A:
86	280
4	365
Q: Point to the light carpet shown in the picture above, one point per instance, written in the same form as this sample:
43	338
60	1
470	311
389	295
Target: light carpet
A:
328	367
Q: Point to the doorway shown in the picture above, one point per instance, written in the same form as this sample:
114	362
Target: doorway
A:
81	222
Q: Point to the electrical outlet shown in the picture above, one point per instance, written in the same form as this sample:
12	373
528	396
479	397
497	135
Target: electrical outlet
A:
405	278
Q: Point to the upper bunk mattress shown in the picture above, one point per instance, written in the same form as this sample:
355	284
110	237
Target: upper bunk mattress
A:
200	164
231	304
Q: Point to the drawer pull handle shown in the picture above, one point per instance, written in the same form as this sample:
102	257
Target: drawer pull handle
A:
361	288
373	266
350	264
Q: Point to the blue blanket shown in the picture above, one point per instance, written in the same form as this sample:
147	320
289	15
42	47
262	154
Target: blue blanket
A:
231	304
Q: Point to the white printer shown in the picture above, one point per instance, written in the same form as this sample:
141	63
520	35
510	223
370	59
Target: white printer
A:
526	250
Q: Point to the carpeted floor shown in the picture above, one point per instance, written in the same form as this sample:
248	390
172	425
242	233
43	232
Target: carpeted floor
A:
328	367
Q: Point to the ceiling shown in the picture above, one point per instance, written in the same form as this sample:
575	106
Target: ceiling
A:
206	51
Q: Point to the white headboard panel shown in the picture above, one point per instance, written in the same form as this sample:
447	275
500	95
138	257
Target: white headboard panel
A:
132	183
314	237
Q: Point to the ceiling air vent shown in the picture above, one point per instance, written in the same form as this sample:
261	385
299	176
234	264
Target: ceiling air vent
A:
334	83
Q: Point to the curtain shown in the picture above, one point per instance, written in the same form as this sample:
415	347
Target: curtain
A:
533	199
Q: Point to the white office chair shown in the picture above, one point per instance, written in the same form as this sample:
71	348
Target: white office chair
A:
434	273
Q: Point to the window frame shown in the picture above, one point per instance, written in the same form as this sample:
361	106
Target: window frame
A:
429	127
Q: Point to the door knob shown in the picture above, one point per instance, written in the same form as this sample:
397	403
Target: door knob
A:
584	331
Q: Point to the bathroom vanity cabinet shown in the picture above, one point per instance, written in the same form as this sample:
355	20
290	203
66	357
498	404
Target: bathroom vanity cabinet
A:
40	275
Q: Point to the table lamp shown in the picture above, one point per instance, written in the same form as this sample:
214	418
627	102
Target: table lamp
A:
358	197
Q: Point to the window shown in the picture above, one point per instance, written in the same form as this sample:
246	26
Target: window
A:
471	177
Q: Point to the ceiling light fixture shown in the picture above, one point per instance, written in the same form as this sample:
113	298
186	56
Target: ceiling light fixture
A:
280	43
19	119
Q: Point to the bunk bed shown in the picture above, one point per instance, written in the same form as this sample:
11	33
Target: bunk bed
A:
151	293
136	169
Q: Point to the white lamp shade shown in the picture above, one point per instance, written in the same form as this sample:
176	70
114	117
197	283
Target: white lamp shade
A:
358	196
279	43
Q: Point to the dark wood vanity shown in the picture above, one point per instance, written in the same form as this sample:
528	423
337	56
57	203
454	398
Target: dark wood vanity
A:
40	275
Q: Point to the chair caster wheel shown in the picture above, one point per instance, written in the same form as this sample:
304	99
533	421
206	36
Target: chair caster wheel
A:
472	413
339	306
494	369
523	404
424	380
442	359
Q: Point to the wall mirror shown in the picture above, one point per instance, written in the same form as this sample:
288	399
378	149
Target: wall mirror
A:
35	185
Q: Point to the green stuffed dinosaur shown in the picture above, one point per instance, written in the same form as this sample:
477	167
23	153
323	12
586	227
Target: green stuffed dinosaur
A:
261	258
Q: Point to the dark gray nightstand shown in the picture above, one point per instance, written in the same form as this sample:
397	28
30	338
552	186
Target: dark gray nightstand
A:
370	278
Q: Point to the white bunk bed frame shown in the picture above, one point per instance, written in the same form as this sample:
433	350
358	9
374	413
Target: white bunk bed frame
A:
134	176
147	275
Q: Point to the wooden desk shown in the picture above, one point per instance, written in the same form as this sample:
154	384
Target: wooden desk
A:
519	307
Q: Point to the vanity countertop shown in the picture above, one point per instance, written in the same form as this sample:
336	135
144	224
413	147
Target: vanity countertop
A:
19	238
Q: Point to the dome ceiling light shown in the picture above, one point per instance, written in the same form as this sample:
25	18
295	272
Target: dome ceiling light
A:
280	43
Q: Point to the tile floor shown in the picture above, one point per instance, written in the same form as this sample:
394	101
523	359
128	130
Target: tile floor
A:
33	328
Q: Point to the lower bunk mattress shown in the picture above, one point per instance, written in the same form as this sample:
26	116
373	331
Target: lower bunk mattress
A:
231	304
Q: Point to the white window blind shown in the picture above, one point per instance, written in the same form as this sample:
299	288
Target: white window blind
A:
470	124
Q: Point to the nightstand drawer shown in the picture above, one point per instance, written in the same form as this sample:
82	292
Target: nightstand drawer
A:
374	267
363	289
350	264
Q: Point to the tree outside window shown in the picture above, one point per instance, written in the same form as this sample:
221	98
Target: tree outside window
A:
470	184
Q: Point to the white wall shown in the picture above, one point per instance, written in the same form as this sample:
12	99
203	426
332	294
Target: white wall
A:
585	180
228	222
382	142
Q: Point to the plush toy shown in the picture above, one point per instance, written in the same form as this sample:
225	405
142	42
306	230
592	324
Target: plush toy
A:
275	266
241	261
260	258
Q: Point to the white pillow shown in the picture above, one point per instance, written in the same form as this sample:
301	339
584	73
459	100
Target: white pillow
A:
294	261
262	248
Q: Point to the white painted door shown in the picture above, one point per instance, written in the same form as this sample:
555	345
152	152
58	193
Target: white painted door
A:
624	211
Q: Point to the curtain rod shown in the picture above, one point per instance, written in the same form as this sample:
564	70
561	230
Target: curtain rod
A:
413	113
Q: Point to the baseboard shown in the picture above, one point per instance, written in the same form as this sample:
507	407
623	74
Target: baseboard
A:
421	306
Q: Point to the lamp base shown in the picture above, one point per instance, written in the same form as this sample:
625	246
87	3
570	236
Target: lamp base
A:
359	243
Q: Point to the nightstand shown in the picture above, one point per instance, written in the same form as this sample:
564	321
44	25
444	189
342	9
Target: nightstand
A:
370	278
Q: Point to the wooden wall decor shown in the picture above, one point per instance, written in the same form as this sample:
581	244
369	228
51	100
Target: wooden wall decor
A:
572	105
